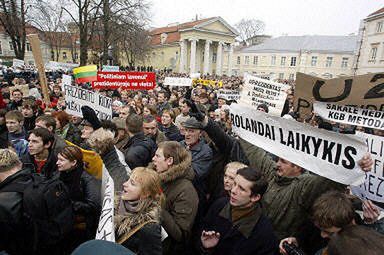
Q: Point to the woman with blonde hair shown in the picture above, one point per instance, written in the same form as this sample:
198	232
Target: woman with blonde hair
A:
137	219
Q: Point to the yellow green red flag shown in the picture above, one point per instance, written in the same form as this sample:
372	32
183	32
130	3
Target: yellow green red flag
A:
85	73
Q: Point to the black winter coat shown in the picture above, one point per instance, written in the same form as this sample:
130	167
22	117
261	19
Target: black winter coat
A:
252	235
146	241
139	150
115	168
49	169
15	235
172	133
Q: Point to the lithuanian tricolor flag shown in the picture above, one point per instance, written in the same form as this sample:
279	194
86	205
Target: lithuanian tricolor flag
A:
85	73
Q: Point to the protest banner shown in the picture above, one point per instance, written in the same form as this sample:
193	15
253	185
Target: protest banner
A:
54	66
106	230
209	83
76	97
373	186
18	63
350	115
258	91
228	94
178	81
106	68
125	80
38	56
66	80
195	75
23	88
362	91
331	155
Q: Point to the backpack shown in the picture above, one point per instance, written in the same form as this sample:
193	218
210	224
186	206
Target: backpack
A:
47	208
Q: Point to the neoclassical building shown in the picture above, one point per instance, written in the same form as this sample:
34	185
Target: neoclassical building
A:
194	47
370	49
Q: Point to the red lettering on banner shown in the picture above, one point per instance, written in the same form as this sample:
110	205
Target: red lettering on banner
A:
125	80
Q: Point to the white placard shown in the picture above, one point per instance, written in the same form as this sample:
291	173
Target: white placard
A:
178	81
373	186
329	154
195	75
110	68
258	91
66	80
54	66
18	63
350	115
76	97
228	94
106	228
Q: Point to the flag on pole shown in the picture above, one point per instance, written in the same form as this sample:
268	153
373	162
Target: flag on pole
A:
85	73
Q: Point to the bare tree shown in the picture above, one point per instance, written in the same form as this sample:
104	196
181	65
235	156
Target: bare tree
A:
249	28
135	45
12	19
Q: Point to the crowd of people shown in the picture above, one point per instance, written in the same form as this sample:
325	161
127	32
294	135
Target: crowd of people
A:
183	182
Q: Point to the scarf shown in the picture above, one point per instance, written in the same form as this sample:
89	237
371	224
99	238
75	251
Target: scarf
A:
238	213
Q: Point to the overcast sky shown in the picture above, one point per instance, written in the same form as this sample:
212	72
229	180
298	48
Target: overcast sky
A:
292	17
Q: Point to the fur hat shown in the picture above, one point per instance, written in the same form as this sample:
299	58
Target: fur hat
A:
90	117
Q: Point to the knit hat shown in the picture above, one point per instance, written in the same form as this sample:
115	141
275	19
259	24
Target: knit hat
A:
8	160
90	117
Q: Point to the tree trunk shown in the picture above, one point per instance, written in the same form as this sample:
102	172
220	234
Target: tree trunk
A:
107	32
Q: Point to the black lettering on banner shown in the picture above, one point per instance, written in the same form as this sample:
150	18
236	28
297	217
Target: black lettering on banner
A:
349	162
370	184
327	151
316	143
378	187
344	95
375	92
377	77
302	103
305	143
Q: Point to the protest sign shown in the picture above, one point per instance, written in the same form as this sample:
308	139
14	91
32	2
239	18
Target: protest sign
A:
66	80
373	186
258	91
178	81
23	88
76	97
110	68
331	155
38	56
209	83
228	94
18	63
54	66
125	80
362	91
106	230
350	115
195	75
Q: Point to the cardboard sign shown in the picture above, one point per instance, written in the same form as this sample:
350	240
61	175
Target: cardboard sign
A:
110	68
106	230
329	154
23	88
18	63
362	91
228	94
258	91
209	83
125	80
76	97
373	186
350	115
178	81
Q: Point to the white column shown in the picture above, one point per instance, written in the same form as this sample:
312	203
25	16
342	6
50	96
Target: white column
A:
206	56
192	66
230	59
183	55
219	60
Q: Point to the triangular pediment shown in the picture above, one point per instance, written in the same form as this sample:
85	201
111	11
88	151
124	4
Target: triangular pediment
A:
218	25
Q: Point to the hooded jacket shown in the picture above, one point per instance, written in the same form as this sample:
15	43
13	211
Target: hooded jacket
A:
139	150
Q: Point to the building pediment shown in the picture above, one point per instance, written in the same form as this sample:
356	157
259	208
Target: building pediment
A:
214	25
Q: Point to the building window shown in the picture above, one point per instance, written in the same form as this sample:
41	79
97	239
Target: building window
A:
273	60
379	27
246	60
238	60
344	62
282	61
291	76
28	46
11	46
314	61
328	62
373	53
255	60
281	76
293	62
64	55
214	57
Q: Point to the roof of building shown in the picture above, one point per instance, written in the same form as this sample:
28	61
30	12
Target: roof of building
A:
173	32
314	43
377	12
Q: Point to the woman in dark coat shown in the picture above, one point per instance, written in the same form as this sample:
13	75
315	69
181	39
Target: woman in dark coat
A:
137	219
65	129
84	192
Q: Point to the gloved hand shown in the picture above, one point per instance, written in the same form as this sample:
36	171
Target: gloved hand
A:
194	111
